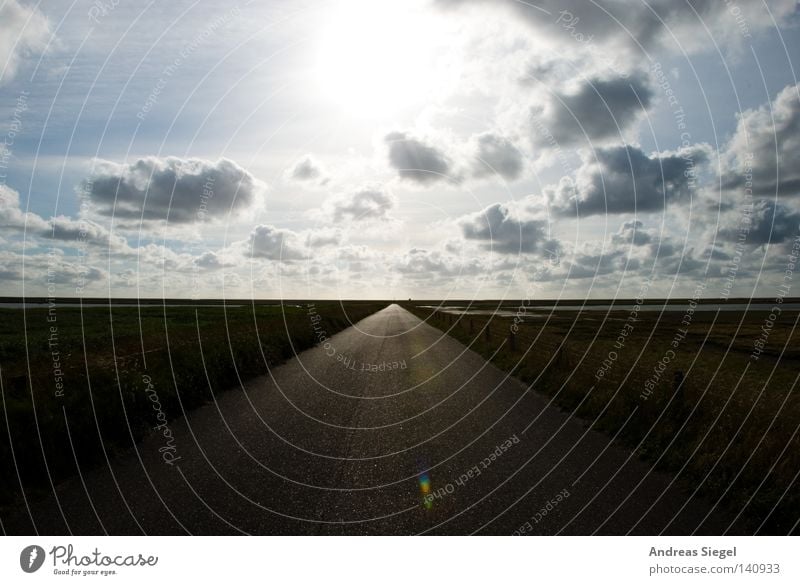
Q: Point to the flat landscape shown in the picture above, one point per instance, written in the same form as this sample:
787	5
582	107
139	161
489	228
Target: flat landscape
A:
384	418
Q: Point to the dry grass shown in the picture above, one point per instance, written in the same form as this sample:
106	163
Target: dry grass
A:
187	354
727	422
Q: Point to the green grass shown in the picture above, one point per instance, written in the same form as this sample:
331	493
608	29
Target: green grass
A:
727	422
107	355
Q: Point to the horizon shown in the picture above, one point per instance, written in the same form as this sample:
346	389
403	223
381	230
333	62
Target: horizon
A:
651	300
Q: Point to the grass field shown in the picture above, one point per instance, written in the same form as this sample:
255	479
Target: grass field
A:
690	395
78	385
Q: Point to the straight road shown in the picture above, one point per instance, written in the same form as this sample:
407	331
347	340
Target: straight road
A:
349	437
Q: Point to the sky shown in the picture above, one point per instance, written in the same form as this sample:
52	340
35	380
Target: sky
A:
425	149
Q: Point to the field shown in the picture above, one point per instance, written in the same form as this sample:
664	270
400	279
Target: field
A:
79	385
709	395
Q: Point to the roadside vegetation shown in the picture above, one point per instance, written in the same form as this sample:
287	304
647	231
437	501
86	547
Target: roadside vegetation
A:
714	400
80	385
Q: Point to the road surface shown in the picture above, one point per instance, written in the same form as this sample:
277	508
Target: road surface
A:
390	428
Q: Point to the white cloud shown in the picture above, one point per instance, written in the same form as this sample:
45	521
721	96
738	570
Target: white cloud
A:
435	265
270	243
370	203
764	153
23	30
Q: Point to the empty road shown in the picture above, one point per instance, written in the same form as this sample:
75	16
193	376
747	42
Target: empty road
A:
389	428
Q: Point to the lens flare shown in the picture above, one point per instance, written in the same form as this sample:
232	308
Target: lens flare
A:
425	489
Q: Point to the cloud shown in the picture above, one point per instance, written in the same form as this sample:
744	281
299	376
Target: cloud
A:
84	231
306	170
495	154
64	229
626	180
644	243
618	27
80	276
417	161
270	243
44	268
504	230
323	237
23	30
632	232
426	265
173	189
764	153
370	203
594	110
588	265
6	274
212	261
483	155
357	259
12	216
769	223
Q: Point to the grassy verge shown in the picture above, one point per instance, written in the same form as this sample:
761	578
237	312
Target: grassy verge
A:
86	381
691	398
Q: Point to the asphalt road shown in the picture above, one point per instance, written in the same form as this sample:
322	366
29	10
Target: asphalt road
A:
340	440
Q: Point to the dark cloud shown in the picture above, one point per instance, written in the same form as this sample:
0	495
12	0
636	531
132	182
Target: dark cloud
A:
369	203
173	189
498	228
270	243
647	244
685	263
497	155
764	153
769	223
588	265
596	110
626	180
417	161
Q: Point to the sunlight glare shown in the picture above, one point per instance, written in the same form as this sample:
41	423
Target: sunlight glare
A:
378	56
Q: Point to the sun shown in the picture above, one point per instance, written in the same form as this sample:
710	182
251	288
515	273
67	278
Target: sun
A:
378	56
